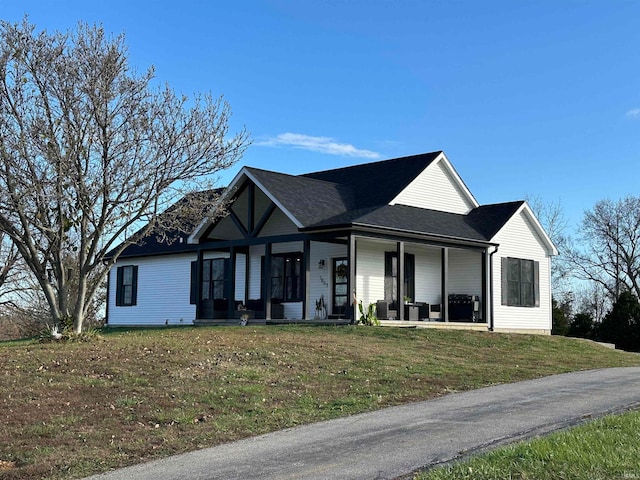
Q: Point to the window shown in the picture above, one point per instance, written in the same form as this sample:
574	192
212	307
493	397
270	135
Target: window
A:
520	282
391	276
126	285
213	278
286	277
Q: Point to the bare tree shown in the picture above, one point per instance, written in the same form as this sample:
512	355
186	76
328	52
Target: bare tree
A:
593	299
608	250
90	152
551	216
9	269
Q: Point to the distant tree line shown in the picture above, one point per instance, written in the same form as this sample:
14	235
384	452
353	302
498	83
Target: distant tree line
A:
605	259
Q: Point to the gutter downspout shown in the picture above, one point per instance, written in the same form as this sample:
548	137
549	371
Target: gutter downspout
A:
491	287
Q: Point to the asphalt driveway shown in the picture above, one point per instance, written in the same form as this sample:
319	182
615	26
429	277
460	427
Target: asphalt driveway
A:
389	443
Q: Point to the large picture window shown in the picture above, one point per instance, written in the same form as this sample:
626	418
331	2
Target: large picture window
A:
126	285
520	282
286	277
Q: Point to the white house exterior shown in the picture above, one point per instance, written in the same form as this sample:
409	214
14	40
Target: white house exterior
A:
303	248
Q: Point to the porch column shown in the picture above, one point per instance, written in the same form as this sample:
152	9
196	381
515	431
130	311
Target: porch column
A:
306	277
266	281
400	279
231	301
351	279
485	286
445	284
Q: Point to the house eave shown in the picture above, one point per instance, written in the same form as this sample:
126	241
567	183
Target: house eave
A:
411	234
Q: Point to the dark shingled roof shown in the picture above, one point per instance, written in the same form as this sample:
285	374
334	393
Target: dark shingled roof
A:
377	183
359	196
153	245
309	201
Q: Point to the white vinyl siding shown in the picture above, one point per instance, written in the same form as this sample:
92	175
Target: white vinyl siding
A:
256	253
428	276
465	272
436	188
518	239
164	286
370	270
320	277
241	268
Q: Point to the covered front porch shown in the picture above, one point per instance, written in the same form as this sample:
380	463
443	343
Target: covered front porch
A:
315	279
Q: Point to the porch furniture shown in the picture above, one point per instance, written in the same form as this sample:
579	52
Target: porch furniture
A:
464	308
277	311
216	308
435	311
239	313
386	310
412	311
257	306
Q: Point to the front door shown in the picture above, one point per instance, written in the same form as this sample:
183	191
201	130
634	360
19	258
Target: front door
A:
340	293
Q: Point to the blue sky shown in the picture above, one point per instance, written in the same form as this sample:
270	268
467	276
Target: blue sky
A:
538	98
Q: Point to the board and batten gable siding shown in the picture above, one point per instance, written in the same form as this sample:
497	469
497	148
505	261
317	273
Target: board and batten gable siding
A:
436	189
518	239
278	224
225	229
164	286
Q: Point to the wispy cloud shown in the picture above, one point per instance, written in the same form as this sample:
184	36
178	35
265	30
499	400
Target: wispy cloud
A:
633	113
317	144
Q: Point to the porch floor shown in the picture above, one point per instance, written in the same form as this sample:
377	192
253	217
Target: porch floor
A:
475	326
225	322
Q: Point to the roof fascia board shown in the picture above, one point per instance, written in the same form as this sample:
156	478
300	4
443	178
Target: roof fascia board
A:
271	197
440	240
206	221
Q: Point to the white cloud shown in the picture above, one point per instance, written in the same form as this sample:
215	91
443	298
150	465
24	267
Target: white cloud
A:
633	113
317	144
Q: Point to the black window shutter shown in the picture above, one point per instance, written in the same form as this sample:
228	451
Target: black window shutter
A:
194	282
134	287
536	283
227	278
503	274
119	286
388	278
410	276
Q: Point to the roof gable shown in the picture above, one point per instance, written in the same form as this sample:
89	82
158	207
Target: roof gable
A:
509	211
437	187
377	183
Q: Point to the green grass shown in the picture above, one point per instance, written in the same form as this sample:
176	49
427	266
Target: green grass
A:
72	409
608	448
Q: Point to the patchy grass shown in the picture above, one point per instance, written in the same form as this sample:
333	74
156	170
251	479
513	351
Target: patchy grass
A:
72	409
608	448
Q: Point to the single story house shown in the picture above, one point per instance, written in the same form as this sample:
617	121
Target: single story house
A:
405	234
